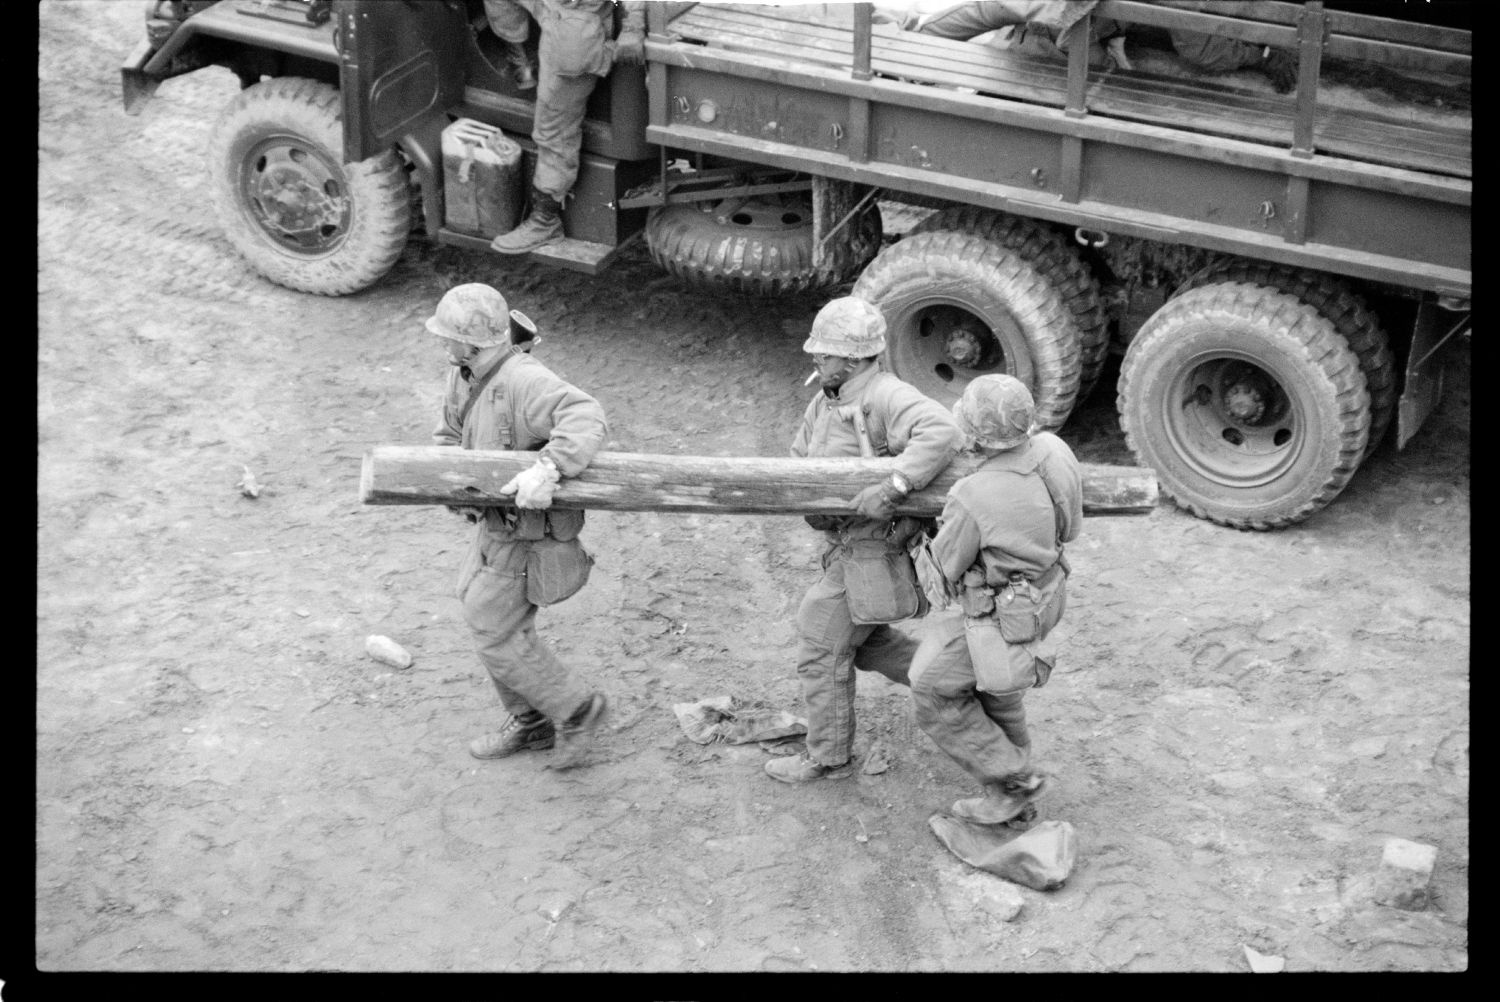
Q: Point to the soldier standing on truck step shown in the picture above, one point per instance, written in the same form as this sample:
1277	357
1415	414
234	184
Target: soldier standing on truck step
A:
998	557
868	580
575	50
499	397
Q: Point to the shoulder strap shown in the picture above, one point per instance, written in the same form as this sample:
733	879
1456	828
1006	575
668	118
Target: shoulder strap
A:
478	388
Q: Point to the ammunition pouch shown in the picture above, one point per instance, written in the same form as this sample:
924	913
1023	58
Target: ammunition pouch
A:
880	582
1006	642
555	569
1028	610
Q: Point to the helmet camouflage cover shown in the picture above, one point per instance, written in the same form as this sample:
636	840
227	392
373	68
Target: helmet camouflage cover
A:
996	411
848	327
474	314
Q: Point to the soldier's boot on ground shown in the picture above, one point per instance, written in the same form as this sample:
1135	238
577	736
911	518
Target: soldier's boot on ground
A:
575	736
1002	802
528	732
543	226
802	769
522	66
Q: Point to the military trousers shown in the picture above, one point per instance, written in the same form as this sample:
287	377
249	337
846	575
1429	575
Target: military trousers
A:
830	648
527	675
562	96
983	732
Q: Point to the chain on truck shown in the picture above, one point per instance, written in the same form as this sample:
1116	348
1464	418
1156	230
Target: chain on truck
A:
1281	275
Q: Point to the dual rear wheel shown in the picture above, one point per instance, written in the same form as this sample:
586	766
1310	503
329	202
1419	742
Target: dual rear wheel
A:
1253	394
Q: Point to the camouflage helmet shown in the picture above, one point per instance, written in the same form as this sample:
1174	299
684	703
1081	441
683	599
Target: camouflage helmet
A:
848	327
996	411
474	314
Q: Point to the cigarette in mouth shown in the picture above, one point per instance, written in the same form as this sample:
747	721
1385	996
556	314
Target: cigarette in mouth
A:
810	377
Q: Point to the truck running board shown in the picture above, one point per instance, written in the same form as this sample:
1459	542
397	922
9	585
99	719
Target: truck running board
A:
575	255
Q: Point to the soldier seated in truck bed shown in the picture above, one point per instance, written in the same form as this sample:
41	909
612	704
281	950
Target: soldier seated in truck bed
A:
1044	28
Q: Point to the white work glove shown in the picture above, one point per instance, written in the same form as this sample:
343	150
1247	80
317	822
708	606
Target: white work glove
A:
533	487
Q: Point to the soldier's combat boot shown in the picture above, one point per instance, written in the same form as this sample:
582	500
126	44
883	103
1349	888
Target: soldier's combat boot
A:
1002	802
575	736
522	67
543	226
802	769
528	732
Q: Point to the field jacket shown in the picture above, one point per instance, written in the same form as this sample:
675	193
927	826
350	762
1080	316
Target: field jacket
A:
902	422
525	407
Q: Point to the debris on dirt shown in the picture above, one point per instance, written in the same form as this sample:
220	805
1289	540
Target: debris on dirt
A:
1041	858
723	718
247	484
1261	963
1405	869
1003	900
387	651
877	760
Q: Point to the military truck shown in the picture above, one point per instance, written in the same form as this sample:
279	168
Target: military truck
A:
1280	275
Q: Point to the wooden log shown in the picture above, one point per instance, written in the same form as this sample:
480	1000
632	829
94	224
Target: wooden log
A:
625	481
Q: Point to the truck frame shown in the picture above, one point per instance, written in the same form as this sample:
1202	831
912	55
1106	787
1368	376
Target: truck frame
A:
1282	276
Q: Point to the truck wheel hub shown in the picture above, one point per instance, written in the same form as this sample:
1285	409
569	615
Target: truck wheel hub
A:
296	195
963	346
1244	403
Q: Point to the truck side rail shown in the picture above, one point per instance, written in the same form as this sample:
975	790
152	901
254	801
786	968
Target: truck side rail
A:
1157	158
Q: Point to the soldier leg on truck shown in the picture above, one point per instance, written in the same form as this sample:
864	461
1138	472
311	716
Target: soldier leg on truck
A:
575	51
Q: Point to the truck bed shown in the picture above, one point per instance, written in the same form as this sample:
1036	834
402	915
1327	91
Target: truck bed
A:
1369	183
1414	135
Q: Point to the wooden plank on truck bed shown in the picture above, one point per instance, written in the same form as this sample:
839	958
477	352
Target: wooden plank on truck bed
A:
1406	137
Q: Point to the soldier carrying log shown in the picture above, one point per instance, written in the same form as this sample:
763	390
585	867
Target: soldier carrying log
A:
522	557
868	580
997	576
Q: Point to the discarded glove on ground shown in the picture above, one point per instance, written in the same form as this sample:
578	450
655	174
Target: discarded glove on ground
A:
1041	858
723	718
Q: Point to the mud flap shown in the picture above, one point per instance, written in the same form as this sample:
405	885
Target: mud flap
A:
1435	327
135	85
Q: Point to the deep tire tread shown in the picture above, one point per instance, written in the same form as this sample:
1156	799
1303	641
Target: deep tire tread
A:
1345	309
378	186
1320	344
1050	253
691	247
919	259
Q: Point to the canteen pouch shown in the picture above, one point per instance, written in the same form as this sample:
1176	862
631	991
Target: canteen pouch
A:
555	569
1001	667
881	583
1027	611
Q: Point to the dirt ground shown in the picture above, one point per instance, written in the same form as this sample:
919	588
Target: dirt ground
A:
226	782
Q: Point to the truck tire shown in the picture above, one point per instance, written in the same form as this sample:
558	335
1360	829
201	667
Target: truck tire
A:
289	204
1056	257
1247	404
761	246
958	306
1350	317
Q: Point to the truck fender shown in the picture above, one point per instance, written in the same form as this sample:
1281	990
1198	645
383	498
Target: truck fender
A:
250	26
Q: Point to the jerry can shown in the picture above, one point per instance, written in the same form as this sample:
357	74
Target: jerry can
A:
482	187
